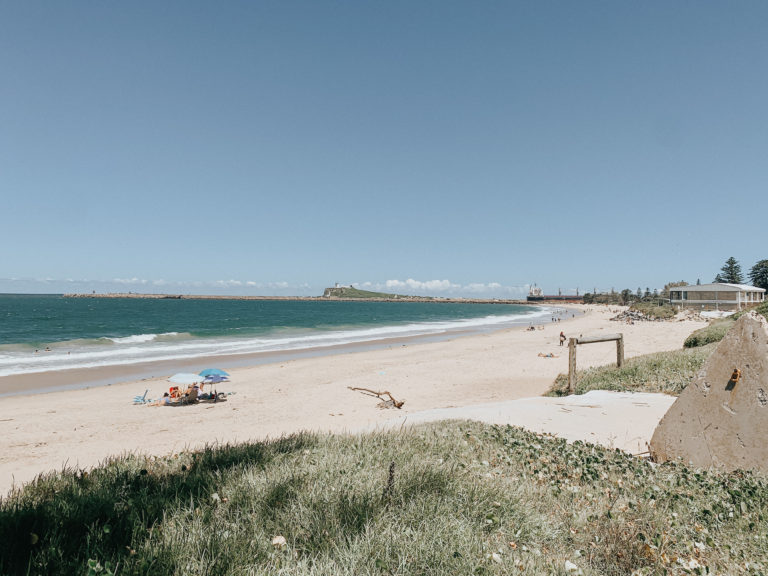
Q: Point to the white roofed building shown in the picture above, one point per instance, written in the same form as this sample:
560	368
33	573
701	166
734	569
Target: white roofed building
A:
716	296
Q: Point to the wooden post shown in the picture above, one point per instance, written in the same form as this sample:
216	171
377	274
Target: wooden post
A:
591	340
620	350
572	365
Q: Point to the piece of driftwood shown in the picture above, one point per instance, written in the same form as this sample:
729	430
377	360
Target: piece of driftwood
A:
380	396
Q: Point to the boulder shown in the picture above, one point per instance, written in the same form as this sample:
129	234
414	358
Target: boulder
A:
720	420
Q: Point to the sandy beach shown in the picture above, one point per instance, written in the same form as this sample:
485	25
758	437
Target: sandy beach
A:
81	428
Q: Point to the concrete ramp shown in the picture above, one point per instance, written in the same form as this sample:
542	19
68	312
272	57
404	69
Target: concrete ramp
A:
721	419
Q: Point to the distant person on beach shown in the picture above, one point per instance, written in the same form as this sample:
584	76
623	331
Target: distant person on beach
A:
562	338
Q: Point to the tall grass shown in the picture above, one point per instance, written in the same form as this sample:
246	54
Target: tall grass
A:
461	498
667	372
712	332
717	329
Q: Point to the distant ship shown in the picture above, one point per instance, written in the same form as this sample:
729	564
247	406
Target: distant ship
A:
535	295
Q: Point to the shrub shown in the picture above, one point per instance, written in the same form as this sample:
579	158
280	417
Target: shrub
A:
713	332
654	310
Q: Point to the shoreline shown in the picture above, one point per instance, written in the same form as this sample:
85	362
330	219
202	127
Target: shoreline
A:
81	428
53	380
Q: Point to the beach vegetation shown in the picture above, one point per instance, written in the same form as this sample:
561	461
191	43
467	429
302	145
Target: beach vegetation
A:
667	372
654	308
712	332
717	329
441	498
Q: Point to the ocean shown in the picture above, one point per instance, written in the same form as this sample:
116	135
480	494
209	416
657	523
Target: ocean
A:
46	333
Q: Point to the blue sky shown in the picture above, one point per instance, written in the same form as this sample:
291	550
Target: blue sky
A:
444	148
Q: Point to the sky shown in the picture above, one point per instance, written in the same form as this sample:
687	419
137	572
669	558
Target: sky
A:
445	148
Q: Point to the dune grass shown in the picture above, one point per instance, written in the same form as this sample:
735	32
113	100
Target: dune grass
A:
712	332
716	330
667	372
444	498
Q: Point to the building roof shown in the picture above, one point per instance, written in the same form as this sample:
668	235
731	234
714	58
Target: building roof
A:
717	287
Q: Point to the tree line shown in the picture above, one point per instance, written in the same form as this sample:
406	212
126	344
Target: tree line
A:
730	273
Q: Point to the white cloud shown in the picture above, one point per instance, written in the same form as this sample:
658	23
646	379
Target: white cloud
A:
445	288
419	286
227	283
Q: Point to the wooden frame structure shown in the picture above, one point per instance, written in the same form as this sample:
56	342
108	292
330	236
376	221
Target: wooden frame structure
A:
619	338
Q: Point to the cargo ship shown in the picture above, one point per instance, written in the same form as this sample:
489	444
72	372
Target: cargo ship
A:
535	294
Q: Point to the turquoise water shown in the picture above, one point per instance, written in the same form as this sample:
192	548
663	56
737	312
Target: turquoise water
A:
40	333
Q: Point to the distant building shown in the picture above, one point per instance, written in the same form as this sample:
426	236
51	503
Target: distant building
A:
716	296
535	294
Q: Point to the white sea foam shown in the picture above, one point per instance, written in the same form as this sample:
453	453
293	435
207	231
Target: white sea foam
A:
140	338
173	346
133	339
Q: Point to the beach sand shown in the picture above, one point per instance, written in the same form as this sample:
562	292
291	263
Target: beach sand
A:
81	428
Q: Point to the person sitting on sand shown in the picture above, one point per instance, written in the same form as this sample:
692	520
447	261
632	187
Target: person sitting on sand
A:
192	392
547	355
164	401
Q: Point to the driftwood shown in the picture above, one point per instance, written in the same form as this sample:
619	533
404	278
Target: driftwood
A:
380	396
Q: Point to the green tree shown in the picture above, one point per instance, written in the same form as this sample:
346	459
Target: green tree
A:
626	296
730	273
758	274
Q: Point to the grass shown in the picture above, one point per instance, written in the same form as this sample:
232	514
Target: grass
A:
462	498
716	330
667	372
712	332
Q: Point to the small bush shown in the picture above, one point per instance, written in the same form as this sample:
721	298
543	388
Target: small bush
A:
653	310
713	332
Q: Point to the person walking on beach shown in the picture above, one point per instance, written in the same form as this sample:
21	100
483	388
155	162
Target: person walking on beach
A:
562	338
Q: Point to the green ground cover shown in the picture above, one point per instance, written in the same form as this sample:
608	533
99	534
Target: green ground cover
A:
667	372
712	332
445	498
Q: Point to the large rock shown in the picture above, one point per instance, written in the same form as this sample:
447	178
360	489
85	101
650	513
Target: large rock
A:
719	421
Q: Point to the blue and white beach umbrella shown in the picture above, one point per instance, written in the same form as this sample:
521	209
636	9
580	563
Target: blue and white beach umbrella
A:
213	372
